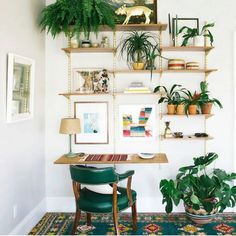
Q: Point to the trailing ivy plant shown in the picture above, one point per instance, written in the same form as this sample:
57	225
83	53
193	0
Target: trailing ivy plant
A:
76	16
200	188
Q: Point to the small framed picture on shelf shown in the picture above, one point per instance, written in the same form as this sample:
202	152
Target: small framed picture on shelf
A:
137	122
90	80
94	122
136	12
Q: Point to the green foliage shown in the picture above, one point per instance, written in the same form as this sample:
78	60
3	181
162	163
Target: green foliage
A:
191	99
205	96
193	32
198	188
76	16
136	46
171	97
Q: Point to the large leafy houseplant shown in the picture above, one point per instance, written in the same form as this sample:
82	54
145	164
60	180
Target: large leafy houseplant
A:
206	101
191	102
194	32
76	16
136	46
200	189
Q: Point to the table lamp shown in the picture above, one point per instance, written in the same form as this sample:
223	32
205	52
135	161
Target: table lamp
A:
70	126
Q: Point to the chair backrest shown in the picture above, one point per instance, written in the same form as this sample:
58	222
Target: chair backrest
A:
91	175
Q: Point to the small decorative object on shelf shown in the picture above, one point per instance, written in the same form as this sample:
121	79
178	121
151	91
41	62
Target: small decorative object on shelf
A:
86	43
192	66
168	132
176	64
178	134
105	42
201	135
74	42
95	45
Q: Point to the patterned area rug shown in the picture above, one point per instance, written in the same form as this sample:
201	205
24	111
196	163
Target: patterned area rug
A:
148	224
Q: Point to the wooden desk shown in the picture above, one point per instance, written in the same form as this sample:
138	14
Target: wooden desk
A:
160	158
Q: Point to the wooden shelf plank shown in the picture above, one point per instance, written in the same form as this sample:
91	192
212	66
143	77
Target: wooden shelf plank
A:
160	158
130	27
127	71
191	71
187	137
206	116
88	50
187	49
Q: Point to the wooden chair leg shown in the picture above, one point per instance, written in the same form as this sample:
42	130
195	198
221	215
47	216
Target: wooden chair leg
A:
115	219
134	216
76	221
89	222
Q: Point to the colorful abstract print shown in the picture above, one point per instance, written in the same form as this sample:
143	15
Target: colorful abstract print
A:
131	129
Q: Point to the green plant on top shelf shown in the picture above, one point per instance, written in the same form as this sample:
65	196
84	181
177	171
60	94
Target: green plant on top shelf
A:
194	32
206	101
75	16
203	191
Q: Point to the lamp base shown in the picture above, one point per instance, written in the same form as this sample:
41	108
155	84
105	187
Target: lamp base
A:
71	154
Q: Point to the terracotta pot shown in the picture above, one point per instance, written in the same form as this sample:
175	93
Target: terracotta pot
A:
180	109
192	109
206	108
138	66
171	109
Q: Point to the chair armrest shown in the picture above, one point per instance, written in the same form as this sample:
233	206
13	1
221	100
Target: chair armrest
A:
125	175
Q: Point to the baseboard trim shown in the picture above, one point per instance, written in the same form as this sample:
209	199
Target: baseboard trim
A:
24	227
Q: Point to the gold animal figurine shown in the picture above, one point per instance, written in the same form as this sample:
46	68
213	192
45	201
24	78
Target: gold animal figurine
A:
134	11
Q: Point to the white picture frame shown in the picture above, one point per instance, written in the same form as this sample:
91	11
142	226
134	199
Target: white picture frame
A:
20	88
94	122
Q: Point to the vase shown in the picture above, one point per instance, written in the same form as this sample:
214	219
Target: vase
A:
199	41
74	42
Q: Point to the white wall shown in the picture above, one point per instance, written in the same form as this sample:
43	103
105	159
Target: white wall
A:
22	171
147	177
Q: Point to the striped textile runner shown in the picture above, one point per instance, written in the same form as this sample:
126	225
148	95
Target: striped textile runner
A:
112	157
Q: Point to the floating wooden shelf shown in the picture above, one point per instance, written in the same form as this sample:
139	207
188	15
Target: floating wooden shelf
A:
160	158
187	49
67	95
189	116
188	137
127	71
207	71
88	50
130	27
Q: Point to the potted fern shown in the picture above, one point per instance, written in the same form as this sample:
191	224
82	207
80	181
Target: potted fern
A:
204	192
198	37
75	16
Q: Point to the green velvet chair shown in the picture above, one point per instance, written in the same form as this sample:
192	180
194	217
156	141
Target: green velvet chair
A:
92	202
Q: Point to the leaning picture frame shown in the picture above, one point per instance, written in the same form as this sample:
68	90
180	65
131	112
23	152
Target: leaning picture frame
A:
94	122
121	17
20	88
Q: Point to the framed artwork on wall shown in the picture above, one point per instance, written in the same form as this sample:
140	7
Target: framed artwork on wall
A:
20	88
122	6
94	122
137	122
90	80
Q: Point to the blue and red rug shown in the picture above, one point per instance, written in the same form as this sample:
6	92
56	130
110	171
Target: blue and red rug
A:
148	224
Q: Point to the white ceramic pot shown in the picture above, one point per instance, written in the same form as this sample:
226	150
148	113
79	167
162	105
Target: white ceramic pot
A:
199	41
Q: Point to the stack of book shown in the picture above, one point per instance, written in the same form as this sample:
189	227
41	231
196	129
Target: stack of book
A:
137	87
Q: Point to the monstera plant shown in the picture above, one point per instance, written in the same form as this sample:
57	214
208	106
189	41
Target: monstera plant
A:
204	192
76	16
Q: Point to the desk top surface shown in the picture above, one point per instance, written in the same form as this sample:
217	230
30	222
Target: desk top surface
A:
160	158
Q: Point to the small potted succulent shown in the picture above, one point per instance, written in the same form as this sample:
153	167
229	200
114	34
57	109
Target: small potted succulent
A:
204	192
72	17
198	37
206	102
136	47
191	102
171	97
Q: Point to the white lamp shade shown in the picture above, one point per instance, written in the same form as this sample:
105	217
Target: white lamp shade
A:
70	126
